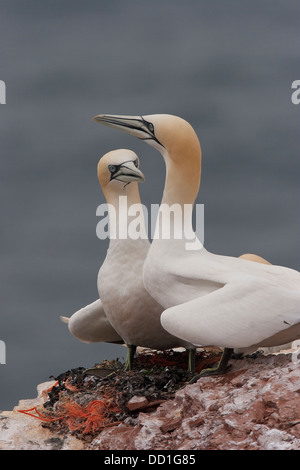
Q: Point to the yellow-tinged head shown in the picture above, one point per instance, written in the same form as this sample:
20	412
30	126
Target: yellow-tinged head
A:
119	168
175	139
165	132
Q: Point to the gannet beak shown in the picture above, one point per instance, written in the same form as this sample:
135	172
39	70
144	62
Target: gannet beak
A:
128	172
134	125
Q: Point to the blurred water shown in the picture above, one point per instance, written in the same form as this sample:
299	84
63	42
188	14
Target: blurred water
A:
226	67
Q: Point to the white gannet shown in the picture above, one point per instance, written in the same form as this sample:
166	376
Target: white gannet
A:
129	308
209	299
91	325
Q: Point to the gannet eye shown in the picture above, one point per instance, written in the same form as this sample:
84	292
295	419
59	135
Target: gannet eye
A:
151	127
112	168
136	162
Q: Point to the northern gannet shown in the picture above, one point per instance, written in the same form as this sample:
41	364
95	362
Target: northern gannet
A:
90	324
209	299
129	308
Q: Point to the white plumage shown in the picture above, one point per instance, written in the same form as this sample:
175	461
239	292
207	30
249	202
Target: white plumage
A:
209	299
130	309
126	312
91	325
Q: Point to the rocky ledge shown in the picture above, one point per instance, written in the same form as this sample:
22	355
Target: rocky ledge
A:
20	431
255	406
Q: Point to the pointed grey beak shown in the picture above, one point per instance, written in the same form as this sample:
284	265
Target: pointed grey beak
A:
128	172
134	125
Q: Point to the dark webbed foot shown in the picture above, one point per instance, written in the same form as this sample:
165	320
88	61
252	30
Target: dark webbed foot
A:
256	354
221	368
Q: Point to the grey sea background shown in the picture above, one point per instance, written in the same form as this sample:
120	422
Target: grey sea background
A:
226	67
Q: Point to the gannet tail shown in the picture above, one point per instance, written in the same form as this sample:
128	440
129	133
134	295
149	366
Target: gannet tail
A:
64	319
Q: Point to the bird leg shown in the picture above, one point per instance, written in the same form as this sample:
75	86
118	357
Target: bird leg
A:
191	360
131	349
219	370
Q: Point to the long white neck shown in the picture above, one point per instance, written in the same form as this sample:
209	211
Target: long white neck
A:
126	215
183	172
182	179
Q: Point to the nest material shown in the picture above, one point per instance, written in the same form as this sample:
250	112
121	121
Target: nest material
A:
83	402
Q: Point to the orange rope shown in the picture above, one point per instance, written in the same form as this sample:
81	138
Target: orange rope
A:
38	414
89	418
72	388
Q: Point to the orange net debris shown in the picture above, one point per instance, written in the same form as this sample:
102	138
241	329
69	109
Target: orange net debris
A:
38	414
87	419
84	405
90	418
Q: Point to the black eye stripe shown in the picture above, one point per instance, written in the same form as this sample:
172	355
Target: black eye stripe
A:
151	130
149	125
115	168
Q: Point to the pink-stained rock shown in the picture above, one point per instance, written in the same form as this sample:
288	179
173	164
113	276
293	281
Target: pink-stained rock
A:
19	431
137	403
255	406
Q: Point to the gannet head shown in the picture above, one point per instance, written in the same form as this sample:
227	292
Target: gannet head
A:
169	134
119	167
